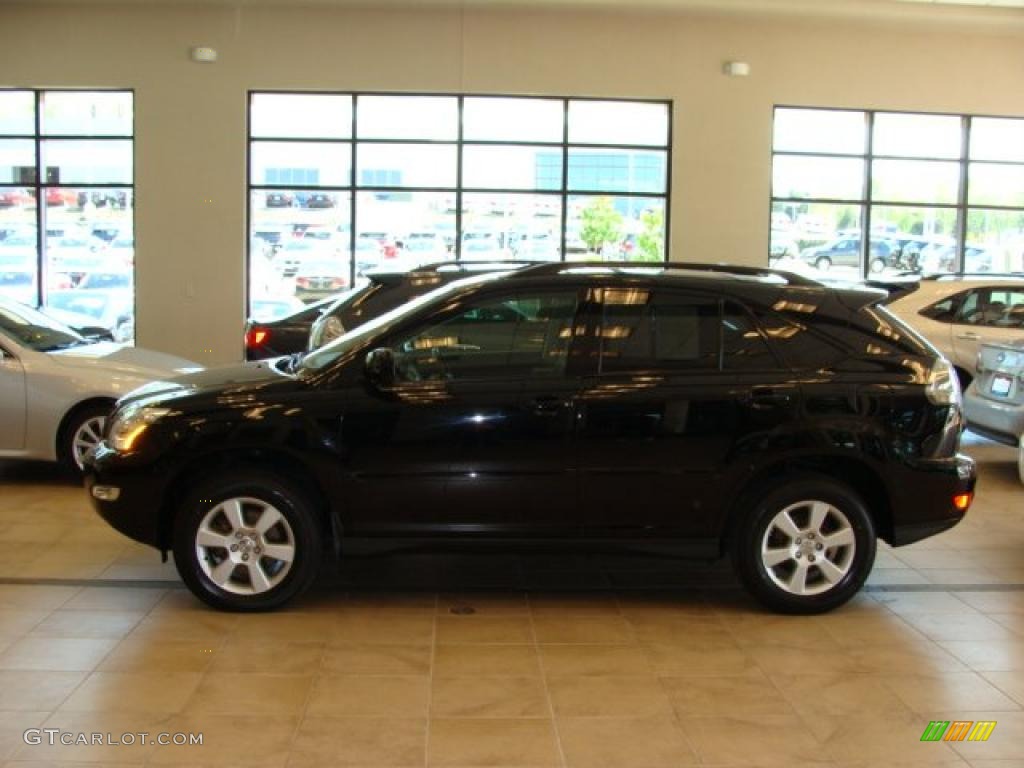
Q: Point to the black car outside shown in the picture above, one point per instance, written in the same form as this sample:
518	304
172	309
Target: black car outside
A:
695	410
378	292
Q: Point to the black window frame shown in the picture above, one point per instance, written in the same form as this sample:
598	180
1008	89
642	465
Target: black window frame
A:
42	184
354	187
962	207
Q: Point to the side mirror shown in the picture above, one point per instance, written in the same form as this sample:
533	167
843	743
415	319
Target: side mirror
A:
380	368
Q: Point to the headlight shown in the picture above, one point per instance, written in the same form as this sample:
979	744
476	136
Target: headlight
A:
130	424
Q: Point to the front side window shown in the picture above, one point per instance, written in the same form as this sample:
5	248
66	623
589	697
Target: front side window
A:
67	204
507	338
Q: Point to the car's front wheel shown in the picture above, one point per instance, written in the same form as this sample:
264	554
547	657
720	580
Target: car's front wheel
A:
823	263
805	546
82	432
247	543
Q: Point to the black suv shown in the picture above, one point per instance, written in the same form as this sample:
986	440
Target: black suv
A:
381	291
688	409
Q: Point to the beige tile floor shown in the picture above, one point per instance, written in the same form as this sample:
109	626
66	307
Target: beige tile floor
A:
550	660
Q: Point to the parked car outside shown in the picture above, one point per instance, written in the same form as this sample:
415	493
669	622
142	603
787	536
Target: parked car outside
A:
845	252
385	289
286	335
113	309
958	313
692	410
994	403
319	278
57	387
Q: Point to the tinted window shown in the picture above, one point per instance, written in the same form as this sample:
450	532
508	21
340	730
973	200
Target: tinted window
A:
994	307
743	346
642	330
800	347
943	311
506	338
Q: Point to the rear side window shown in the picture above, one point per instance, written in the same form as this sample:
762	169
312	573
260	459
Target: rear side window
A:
641	329
800	346
993	308
943	311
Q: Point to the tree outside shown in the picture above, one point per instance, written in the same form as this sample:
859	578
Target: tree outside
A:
651	240
601	224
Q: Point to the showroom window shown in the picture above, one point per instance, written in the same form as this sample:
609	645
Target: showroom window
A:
67	205
934	192
340	183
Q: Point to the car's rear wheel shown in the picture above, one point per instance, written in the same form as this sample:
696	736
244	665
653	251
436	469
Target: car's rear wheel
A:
81	433
823	263
877	265
804	546
247	543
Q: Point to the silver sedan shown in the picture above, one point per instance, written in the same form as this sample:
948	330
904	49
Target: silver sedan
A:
57	387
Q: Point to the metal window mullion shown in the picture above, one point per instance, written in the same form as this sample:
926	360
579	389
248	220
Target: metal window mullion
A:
965	152
666	215
459	147
40	201
565	178
352	208
865	219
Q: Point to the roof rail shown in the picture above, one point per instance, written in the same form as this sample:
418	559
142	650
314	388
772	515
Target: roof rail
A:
555	267
496	263
941	275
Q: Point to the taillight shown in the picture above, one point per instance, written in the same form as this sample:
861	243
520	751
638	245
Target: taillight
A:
963	500
338	282
943	387
302	281
256	337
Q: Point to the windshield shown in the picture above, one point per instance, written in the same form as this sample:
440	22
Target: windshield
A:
34	330
379	326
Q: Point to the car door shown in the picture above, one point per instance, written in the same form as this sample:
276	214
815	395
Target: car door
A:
992	314
659	416
12	400
475	436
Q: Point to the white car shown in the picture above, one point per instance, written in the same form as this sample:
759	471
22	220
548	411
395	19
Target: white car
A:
959	313
57	387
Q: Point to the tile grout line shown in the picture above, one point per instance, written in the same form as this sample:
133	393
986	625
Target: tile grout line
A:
430	680
544	681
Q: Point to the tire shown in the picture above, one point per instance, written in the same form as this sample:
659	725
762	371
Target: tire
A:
876	265
823	263
803	499
229	512
82	431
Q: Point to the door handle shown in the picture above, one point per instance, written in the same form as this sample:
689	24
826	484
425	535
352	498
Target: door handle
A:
968	336
766	397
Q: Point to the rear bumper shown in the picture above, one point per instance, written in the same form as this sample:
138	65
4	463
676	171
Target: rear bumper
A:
923	498
1002	422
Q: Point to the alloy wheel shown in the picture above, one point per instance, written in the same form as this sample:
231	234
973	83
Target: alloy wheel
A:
245	546
808	547
86	437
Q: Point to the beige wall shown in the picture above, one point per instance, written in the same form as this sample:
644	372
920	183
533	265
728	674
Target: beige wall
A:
190	119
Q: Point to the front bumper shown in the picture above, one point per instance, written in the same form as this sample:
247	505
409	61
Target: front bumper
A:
923	498
135	495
